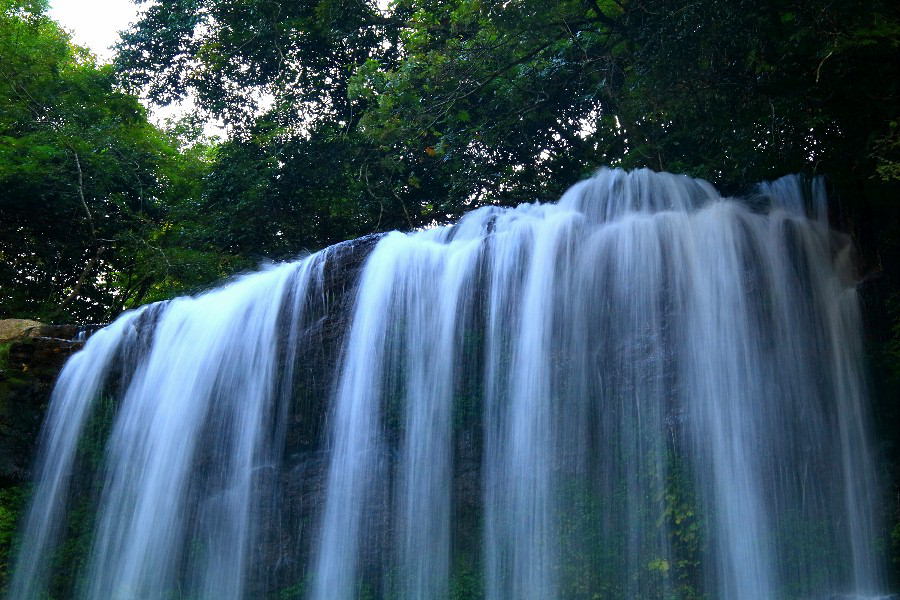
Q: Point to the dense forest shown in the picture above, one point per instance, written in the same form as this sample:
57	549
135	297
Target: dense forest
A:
344	119
348	117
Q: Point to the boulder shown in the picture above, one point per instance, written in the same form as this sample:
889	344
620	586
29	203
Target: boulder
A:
11	329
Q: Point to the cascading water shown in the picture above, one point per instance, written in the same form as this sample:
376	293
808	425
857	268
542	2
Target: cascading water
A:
643	391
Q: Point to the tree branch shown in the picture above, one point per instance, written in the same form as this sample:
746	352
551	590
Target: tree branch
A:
89	266
84	205
83	277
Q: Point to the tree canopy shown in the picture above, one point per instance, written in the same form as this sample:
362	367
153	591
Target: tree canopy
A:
432	107
350	117
89	187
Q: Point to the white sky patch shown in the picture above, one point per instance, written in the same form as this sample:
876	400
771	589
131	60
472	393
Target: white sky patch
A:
587	126
95	24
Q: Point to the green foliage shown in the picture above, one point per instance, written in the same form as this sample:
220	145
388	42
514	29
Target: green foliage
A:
4	355
732	91
886	151
466	583
91	189
12	504
402	118
298	52
293	592
686	529
348	119
491	100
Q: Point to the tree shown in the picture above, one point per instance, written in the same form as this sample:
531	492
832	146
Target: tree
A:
449	104
86	180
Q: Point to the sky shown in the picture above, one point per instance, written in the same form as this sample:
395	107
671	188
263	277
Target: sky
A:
94	23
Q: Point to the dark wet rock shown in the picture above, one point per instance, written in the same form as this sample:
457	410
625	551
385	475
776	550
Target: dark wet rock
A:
29	366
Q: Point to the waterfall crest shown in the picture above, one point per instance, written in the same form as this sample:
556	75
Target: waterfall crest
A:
643	391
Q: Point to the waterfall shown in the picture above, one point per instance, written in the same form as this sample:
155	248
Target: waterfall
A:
645	390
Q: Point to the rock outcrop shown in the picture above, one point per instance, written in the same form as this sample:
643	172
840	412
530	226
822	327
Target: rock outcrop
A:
31	356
